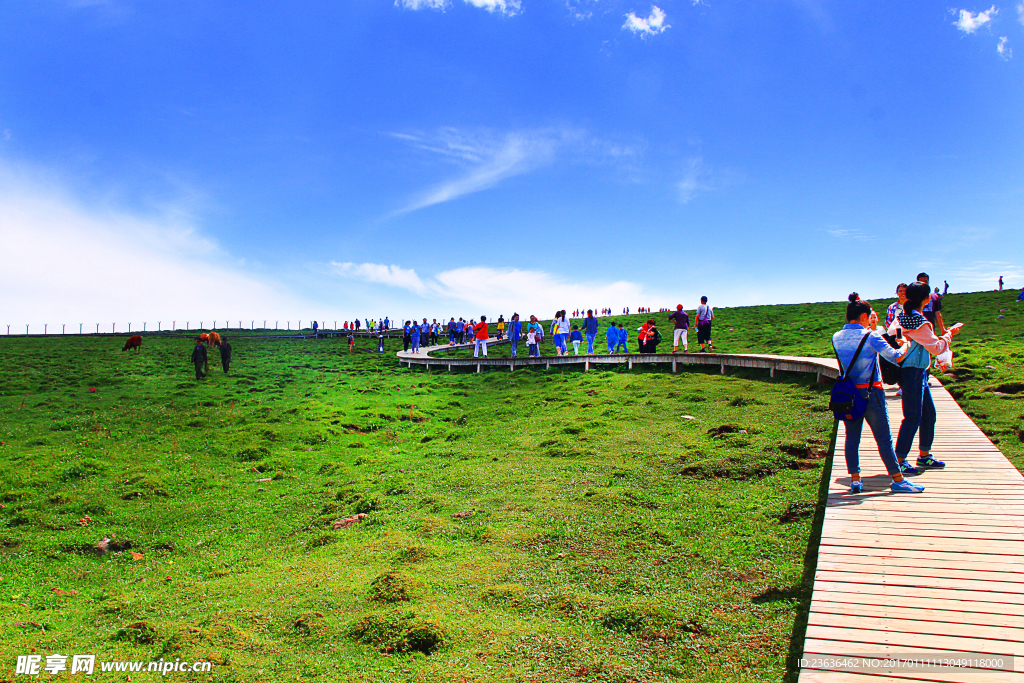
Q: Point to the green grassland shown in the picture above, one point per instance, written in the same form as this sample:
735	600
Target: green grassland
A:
536	526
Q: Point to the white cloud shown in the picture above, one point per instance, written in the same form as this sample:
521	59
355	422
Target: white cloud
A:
393	276
653	24
422	4
68	262
969	23
482	290
1020	12
1004	50
509	8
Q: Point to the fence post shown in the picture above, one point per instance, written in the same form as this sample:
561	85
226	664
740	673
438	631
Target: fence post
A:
79	328
214	325
158	326
62	328
113	327
26	330
129	328
97	328
8	330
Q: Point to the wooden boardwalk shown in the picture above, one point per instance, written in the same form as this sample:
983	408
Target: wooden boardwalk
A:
822	367
933	574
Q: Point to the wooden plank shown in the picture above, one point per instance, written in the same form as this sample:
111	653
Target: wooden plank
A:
884	599
1002	599
942	572
907	580
938	642
992	632
914	553
904	675
900	611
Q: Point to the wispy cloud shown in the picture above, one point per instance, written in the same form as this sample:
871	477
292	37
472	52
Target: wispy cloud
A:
508	8
848	234
394	276
422	4
1020	12
486	290
969	22
651	25
487	158
696	179
1003	48
986	274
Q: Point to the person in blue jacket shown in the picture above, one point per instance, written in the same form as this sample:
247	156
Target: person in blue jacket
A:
415	338
590	327
515	332
406	336
425	332
859	332
576	338
612	336
623	338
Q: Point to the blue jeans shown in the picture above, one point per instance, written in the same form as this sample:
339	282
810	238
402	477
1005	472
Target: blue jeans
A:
590	342
560	342
514	345
625	349
611	347
877	417
415	343
918	411
533	350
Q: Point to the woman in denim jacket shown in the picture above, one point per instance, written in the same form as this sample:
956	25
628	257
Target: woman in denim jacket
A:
867	378
918	408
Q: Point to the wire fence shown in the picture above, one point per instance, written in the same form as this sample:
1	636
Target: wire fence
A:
187	327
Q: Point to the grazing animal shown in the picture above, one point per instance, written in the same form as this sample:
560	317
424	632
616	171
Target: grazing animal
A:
134	342
204	339
214	339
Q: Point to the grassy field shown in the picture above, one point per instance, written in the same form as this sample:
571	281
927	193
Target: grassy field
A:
543	526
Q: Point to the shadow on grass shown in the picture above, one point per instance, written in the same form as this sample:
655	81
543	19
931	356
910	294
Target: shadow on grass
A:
802	592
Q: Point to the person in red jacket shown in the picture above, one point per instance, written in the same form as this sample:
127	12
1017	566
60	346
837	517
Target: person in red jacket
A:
481	336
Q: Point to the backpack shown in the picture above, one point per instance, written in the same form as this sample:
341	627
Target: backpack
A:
657	336
846	402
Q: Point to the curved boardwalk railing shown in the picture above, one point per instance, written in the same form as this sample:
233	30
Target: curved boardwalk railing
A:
822	367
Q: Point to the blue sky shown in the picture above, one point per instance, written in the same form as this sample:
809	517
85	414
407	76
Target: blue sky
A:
458	157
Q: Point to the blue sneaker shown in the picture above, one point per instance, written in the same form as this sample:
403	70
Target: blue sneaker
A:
907	468
905	487
856	487
930	462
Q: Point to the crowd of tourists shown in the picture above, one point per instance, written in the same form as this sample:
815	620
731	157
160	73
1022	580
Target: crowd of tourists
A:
913	333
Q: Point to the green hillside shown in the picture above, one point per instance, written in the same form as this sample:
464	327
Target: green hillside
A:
556	526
